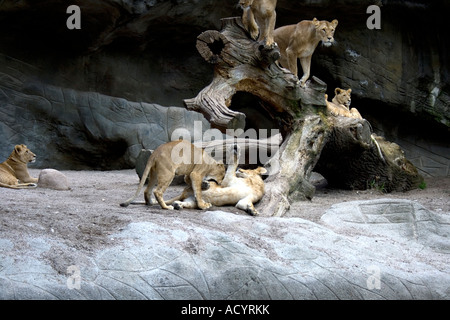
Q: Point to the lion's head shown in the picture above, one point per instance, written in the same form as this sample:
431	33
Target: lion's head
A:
326	30
343	97
23	154
216	172
242	173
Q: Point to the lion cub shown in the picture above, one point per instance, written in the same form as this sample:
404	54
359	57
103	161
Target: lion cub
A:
14	169
259	17
178	158
340	105
241	188
300	41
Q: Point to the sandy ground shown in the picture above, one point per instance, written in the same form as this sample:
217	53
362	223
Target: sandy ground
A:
85	217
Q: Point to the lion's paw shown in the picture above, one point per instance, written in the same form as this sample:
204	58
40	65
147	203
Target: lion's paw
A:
204	205
177	205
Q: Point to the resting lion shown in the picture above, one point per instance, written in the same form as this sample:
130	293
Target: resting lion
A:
300	40
241	188
340	105
178	158
259	17
14	172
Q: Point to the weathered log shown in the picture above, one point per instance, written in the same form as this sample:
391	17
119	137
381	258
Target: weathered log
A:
350	157
244	65
210	45
251	149
290	169
354	158
344	150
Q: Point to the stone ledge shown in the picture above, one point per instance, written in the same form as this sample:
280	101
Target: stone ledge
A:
227	256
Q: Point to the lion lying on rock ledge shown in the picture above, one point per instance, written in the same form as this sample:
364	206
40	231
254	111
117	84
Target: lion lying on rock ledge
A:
340	105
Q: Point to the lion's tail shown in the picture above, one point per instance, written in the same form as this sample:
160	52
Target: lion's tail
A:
380	153
19	186
141	184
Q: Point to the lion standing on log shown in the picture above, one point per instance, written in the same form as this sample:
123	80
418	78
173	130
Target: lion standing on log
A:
259	17
300	41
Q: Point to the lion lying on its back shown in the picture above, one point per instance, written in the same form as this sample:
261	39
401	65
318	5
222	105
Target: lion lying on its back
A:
14	169
241	188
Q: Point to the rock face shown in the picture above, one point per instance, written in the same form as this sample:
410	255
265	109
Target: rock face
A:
88	130
383	217
403	64
399	75
382	250
127	59
143	53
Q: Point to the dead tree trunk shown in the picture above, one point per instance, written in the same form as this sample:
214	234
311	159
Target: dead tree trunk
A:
244	65
355	158
291	168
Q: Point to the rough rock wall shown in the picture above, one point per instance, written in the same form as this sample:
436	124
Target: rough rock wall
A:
404	64
144	51
100	93
136	50
71	129
399	74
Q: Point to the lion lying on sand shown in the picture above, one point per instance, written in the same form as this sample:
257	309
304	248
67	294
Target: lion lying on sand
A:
14	171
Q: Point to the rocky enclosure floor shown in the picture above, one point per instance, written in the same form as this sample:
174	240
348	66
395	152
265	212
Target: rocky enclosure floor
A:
85	217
